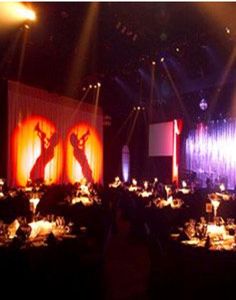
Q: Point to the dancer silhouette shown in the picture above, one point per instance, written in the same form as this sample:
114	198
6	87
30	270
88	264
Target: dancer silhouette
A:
46	154
79	154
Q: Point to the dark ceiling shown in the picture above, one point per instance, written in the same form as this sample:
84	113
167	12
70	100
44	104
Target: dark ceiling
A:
124	40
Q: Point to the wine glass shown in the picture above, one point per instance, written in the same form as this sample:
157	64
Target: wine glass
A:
215	203
59	226
33	204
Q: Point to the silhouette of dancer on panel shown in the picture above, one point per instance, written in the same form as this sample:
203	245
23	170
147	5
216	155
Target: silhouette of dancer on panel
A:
46	154
79	154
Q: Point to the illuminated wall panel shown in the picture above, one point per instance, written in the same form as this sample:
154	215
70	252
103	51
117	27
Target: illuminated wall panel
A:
125	163
40	125
161	139
164	140
210	151
84	156
28	159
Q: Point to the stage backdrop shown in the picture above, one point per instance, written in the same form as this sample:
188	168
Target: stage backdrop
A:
210	152
52	138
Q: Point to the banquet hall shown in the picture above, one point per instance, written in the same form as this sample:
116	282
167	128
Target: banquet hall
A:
117	156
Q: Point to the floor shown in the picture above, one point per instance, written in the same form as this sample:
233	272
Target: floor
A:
126	265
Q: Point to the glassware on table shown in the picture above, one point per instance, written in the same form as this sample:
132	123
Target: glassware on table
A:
33	202
59	226
215	203
230	226
2	229
50	218
189	228
69	228
230	221
201	230
219	221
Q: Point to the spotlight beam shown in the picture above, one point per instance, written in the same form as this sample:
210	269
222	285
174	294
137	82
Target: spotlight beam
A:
78	63
10	53
124	124
22	54
80	102
96	105
222	81
153	68
130	134
177	94
85	94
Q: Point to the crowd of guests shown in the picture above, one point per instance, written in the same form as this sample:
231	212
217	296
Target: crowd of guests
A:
40	199
57	230
164	215
153	209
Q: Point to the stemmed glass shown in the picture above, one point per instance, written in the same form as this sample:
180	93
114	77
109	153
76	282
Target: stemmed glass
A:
201	228
59	226
215	203
34	201
230	226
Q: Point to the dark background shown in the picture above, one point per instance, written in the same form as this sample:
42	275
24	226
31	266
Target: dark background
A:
124	41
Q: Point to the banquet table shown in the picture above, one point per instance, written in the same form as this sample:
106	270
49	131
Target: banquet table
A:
204	267
71	263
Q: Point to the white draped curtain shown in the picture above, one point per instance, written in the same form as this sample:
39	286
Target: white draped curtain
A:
211	151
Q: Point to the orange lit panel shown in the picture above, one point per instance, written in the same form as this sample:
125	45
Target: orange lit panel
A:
27	151
84	154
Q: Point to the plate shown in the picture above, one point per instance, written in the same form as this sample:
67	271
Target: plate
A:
191	242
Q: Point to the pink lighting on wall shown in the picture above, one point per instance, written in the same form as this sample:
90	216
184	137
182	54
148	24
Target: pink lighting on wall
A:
177	128
210	152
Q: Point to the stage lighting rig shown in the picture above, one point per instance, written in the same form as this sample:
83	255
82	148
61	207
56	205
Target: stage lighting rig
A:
139	108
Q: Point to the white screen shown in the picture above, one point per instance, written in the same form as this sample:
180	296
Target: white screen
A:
161	139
